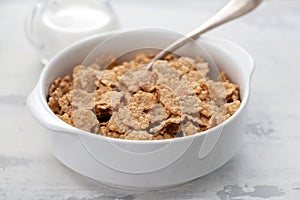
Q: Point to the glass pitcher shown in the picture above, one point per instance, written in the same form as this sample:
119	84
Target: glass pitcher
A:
53	24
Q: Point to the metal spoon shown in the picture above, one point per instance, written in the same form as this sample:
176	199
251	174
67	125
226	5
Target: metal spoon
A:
232	10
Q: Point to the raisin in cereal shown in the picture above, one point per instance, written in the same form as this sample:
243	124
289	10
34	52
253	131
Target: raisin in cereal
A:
127	101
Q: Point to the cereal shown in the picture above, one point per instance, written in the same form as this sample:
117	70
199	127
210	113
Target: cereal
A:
137	79
216	119
141	118
158	113
170	77
164	72
176	99
139	104
202	67
182	65
189	128
59	97
232	90
66	118
194	76
104	61
64	84
86	78
216	91
136	135
121	121
84	119
171	121
109	100
102	89
65	103
169	100
53	101
232	107
178	87
108	78
82	99
142	58
189	104
142	101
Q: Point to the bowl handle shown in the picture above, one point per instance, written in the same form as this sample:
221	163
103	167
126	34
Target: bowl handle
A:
44	116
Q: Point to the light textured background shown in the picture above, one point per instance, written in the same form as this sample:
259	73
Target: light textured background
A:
268	164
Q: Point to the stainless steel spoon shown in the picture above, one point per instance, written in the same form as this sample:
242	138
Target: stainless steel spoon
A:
232	10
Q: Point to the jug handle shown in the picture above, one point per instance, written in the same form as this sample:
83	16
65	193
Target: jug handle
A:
31	19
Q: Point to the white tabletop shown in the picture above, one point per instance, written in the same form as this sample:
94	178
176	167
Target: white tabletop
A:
266	167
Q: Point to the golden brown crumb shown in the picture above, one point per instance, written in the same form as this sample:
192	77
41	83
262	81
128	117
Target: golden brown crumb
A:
59	98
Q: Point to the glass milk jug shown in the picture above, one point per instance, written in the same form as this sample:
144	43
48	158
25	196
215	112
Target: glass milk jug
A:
53	24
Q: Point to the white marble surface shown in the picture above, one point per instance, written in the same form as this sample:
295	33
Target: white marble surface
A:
268	164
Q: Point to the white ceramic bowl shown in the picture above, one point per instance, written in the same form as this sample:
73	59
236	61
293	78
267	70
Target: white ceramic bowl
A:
144	164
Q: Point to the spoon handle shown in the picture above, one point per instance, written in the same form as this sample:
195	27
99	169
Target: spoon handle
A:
232	10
